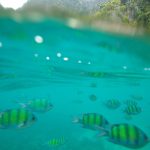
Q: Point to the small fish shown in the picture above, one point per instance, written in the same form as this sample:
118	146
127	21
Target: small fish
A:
127	135
38	105
96	74
112	104
54	142
132	110
16	118
92	121
93	97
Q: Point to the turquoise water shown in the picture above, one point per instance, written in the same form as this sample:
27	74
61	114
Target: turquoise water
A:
78	70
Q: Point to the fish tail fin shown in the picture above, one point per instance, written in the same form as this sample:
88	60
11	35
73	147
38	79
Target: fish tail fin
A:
23	105
43	144
101	128
75	119
103	132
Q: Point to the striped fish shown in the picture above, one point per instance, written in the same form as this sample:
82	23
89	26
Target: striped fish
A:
38	105
112	104
127	135
132	110
16	118
55	142
96	74
92	121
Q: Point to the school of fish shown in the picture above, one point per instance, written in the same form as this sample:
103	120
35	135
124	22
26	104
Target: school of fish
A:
124	134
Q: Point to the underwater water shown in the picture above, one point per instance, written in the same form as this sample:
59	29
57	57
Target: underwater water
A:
78	70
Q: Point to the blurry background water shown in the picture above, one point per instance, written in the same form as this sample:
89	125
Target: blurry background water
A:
77	67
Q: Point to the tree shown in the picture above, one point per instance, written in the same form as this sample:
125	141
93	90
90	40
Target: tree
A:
133	12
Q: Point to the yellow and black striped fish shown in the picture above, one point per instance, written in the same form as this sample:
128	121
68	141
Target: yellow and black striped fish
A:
92	121
16	118
132	110
112	104
96	74
127	135
55	142
40	105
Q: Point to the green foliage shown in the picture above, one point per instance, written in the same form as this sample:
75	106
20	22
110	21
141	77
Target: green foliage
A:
133	12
